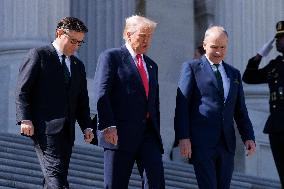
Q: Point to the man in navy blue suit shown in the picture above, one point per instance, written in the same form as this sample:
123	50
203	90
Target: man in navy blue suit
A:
209	98
127	100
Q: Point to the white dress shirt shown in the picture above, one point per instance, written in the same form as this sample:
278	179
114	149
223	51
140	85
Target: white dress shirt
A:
133	55
67	59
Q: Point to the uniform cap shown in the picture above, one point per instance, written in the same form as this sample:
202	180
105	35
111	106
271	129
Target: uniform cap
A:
279	29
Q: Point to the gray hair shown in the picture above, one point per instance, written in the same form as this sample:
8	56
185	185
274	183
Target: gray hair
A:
211	29
135	22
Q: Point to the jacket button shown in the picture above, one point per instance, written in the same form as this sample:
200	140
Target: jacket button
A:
144	121
274	106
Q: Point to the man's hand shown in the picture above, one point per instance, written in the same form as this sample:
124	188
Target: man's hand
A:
27	128
88	135
250	147
110	135
185	148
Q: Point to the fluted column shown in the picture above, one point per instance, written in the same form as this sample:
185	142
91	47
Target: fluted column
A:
172	44
105	20
250	24
204	15
25	24
29	23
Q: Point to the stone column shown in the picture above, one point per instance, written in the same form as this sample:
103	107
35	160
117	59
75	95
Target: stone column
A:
250	24
25	24
172	44
204	12
105	20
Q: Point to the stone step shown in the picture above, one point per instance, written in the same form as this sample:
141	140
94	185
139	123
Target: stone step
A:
16	184
19	165
34	177
77	159
33	170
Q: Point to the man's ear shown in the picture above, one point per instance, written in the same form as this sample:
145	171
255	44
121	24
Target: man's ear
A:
59	32
128	34
204	45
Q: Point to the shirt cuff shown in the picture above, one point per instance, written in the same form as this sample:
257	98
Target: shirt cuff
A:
23	121
88	129
113	126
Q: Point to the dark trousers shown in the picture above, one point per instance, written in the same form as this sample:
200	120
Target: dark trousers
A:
54	152
118	164
277	147
213	166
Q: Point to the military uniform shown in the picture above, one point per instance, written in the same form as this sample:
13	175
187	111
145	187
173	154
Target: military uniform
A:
273	75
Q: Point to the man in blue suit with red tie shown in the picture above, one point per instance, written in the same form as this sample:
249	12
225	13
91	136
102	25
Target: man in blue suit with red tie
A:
127	100
209	98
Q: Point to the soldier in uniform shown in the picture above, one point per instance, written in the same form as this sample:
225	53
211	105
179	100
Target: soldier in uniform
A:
273	74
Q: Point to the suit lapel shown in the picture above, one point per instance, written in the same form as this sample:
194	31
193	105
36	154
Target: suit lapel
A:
58	67
151	74
130	64
208	71
73	70
230	79
54	56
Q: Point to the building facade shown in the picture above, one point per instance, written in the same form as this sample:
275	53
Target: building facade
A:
26	24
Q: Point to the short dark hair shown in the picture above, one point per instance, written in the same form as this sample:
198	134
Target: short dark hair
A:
72	23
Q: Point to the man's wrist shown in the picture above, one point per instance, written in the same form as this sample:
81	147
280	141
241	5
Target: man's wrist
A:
90	129
26	121
113	126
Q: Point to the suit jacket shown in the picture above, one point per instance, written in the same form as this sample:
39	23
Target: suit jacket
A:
121	99
202	115
42	96
272	74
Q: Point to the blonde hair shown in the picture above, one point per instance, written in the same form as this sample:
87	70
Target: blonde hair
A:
135	22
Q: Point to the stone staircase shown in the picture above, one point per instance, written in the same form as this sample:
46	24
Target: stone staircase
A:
19	168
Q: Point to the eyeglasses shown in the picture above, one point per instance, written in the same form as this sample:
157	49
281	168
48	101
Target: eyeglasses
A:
74	41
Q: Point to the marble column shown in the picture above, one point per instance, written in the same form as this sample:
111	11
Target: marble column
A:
172	44
250	24
25	24
105	20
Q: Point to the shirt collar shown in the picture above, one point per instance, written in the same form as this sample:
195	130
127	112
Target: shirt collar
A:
211	63
131	51
55	45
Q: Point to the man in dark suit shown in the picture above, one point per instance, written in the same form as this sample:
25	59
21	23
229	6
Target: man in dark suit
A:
127	99
51	95
273	74
209	98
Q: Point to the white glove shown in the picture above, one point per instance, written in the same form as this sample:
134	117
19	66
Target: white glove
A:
266	48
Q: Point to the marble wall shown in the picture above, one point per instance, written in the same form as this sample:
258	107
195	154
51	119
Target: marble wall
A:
173	43
250	24
181	24
24	24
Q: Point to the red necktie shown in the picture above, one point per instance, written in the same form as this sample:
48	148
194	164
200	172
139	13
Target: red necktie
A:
142	73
